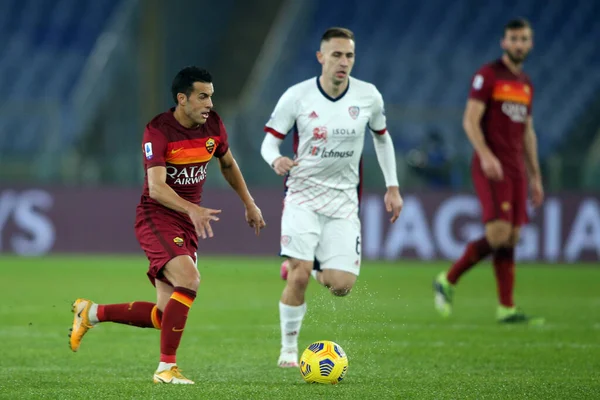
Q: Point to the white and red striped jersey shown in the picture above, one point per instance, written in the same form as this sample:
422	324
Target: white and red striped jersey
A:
328	138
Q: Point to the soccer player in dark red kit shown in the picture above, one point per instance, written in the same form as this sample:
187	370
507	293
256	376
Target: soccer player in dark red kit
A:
498	121
177	146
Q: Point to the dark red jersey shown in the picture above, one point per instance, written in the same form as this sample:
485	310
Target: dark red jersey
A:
185	152
508	100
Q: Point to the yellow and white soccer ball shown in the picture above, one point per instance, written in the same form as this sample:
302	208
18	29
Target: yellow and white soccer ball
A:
324	362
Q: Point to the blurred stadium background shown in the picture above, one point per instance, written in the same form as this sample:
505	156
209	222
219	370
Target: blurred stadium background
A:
80	78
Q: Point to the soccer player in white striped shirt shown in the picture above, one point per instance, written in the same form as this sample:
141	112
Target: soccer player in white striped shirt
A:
328	116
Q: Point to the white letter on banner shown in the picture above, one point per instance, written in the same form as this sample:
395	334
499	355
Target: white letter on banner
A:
452	208
585	233
41	233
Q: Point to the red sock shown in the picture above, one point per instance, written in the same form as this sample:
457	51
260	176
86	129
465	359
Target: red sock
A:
136	313
173	322
475	252
504	267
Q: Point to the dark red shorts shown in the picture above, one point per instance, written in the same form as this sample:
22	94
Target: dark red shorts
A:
163	238
504	200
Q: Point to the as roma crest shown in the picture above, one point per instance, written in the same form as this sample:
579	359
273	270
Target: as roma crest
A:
354	111
210	145
178	241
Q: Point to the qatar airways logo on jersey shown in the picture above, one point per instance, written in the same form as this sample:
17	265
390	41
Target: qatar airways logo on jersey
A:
516	112
187	175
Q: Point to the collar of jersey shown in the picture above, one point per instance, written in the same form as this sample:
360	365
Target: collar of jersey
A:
328	97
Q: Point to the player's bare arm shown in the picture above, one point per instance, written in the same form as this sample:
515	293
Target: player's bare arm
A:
233	175
472	124
532	163
165	195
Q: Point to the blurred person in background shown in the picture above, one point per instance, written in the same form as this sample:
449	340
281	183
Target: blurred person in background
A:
498	121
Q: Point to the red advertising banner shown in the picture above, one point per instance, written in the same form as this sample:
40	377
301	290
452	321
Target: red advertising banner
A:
433	225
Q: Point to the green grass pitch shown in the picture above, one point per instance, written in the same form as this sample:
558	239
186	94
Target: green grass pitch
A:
397	345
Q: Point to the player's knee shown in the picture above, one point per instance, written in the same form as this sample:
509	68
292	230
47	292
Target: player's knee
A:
298	277
182	271
341	287
340	291
298	281
195	283
191	281
498	233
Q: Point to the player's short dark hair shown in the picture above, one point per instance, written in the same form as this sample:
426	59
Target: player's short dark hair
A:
337	32
184	80
517	23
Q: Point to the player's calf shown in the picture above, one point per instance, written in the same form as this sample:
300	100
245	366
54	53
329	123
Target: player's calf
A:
292	309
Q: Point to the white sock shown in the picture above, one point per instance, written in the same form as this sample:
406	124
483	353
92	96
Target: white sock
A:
290	318
163	366
93	314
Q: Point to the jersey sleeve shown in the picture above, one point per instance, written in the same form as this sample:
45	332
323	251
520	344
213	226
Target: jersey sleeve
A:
531	97
154	147
223	145
482	85
283	117
377	121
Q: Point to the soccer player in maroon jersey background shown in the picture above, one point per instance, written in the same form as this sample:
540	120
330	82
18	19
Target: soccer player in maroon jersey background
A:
177	146
498	120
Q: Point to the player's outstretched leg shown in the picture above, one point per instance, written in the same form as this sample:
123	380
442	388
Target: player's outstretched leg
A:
292	309
443	284
504	269
181	271
290	321
443	292
174	320
88	314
